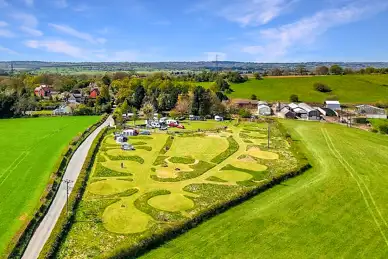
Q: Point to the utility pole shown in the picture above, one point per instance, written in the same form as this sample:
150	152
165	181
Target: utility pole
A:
67	195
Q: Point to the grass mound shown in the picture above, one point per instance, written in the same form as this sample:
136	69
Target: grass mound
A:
109	187
197	170
232	148
171	202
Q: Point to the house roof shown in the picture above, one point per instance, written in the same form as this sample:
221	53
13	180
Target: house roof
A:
332	102
306	107
263	106
285	110
262	103
299	110
293	105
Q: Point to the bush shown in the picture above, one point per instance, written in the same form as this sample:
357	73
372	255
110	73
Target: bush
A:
253	97
320	87
294	98
182	160
382	104
244	113
198	169
383	128
167	145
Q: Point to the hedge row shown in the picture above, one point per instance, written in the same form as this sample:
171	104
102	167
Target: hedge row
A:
102	171
65	222
167	145
138	159
232	148
178	228
22	239
198	169
182	160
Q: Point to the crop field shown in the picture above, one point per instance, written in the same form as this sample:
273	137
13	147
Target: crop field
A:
167	181
348	89
337	209
29	150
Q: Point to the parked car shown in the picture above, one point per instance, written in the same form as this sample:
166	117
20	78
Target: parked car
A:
180	126
181	118
164	127
145	132
155	124
173	125
218	118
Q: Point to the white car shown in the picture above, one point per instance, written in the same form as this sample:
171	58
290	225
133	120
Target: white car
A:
155	124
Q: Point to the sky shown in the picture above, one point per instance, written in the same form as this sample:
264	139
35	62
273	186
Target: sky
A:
194	30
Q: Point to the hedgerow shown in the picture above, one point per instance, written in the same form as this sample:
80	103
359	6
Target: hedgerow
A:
198	169
167	145
232	148
147	148
182	160
102	171
160	160
138	159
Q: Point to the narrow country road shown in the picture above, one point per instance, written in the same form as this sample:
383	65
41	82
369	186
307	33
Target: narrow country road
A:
73	170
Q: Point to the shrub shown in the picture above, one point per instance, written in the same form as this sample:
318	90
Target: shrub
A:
320	87
128	158
244	113
167	145
382	104
383	128
198	169
232	148
102	171
294	98
182	160
253	97
160	160
144	147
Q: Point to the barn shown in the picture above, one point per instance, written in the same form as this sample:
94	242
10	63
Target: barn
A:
263	109
286	113
312	114
333	105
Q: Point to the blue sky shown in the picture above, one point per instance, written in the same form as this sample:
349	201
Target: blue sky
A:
173	30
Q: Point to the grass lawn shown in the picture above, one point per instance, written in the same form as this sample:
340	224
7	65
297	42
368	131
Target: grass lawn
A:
349	89
159	188
29	150
338	209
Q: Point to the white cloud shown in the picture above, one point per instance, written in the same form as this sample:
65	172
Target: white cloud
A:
29	2
57	46
246	12
6	33
31	31
81	35
213	56
3	24
280	40
7	50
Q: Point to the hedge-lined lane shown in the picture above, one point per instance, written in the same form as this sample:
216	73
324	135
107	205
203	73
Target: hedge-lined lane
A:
43	232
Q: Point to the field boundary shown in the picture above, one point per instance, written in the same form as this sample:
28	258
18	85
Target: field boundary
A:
159	239
20	241
65	222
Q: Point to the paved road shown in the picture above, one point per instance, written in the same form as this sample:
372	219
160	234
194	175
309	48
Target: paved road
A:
73	170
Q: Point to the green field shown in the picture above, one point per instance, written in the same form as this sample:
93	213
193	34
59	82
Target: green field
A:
134	195
337	209
349	88
29	150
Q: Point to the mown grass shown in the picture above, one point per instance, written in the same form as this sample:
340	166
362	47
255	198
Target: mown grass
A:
333	210
29	150
349	88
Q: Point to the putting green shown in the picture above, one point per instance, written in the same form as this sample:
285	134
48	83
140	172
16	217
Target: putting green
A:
202	148
171	171
233	176
123	218
249	165
109	187
119	152
110	140
171	202
256	152
116	166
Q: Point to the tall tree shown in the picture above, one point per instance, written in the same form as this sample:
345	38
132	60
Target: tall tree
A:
336	70
322	70
106	80
138	96
148	110
104	96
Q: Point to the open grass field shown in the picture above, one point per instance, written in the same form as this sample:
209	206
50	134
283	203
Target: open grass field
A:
132	196
29	150
349	88
337	209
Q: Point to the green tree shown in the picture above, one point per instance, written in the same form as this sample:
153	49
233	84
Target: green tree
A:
253	97
135	116
148	110
138	96
294	98
320	87
106	80
322	70
257	76
104	96
336	70
201	101
125	107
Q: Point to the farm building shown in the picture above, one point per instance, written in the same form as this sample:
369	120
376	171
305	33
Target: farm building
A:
245	103
333	105
312	114
264	109
327	112
286	113
371	112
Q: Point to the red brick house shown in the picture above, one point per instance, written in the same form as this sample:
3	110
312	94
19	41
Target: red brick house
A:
43	91
94	93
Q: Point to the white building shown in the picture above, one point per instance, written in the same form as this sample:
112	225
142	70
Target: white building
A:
334	105
312	114
263	109
371	112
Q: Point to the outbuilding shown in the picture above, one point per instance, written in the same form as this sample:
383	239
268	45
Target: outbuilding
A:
371	112
312	114
130	132
333	105
263	109
286	113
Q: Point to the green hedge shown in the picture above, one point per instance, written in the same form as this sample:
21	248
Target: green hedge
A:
65	222
147	148
102	171
232	148
167	145
160	160
21	241
182	160
138	159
